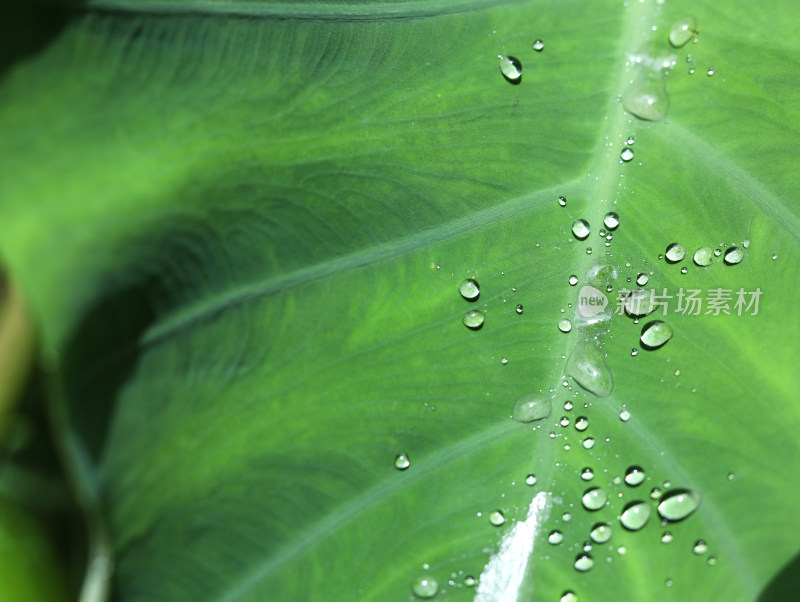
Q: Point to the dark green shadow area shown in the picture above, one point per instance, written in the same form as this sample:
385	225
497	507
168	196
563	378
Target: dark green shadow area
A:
785	585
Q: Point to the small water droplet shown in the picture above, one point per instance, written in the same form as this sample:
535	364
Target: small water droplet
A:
562	201
600	533
733	256
622	550
746	243
531	407
675	252
635	515
564	325
700	547
519	308
655	493
530	480
511	68
568	405
682	31
569	596
588	250
469	289
647	98
594	498
611	220
634	476
774	257
691	70
624	415
634	352
582	423
504	361
580	229
573	280
538	45
564	421
566	517
424	587
473	319
588	443
642	279
717	252
587	366
626	154
555	537
587	474
678	504
470	581
630	141
583	563
496	518
655	334
712	560
703	256
710	71
401	462
668	583
731	476
666	537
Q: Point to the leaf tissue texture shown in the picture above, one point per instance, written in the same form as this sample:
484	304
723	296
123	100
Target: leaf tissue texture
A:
242	226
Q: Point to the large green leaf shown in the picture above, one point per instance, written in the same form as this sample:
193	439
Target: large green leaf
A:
242	226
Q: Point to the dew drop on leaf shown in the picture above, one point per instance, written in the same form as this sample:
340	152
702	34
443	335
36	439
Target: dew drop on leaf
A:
511	68
496	518
583	563
569	596
470	581
626	154
401	462
703	256
519	308
531	407
573	280
587	366
677	505
530	480
655	334
594	498
538	45
642	279
587	474
469	289
682	31
647	98
634	476
624	415
555	537
675	252
582	423
580	229
666	537
473	319
564	325
611	220
424	587
635	515
562	200
700	547
733	256
600	533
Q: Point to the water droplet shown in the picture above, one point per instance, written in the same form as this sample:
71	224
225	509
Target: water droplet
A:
531	407
634	476
626	154
530	480
588	250
678	504
682	31
710	71
588	443
469	289
473	319
675	252
600	533
569	596
582	423
639	303
555	537
573	280
511	68
588	367
630	140
668	582
425	587
774	257
666	537
564	325
733	256
594	498
635	515
401	462
634	352
580	229
655	493
700	547
731	476
584	563
470	581
564	421
624	415
496	518
611	220
622	550
562	201
519	308
504	361
655	334
566	517
587	474
642	279
538	45
647	98
568	405
703	256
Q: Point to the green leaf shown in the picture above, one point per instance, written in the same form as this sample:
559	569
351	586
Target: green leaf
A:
242	227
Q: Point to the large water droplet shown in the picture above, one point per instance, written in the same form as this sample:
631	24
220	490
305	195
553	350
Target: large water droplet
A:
634	476
703	256
555	537
496	518
569	596
635	515
584	563
473	319
642	279
600	533
654	57
511	68
538	45
580	229
647	98
582	423
655	334
624	415
733	256
587	474
594	498
626	154
611	220
424	587
675	252
678	504
682	31
401	462
700	547
469	289
564	325
530	407
588	367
